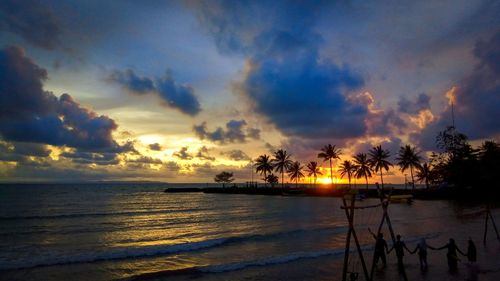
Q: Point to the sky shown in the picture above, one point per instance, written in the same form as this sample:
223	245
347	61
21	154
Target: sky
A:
178	91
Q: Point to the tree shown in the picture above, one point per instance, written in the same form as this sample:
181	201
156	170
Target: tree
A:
425	174
313	170
458	160
378	160
224	177
363	168
408	158
329	153
451	141
295	172
347	168
489	163
263	166
281	163
272	179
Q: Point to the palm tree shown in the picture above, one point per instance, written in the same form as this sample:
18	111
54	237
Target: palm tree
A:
281	163
272	179
408	158
329	152
425	174
295	172
313	170
378	160
347	168
263	166
363	168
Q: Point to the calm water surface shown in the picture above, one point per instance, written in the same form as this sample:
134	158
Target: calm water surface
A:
127	231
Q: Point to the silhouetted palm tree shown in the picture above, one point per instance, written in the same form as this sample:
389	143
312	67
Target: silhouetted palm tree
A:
263	166
408	158
272	179
378	160
313	170
281	163
295	172
329	152
425	174
363	168
347	168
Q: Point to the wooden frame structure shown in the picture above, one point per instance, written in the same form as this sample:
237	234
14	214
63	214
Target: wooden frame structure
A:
351	232
488	217
385	219
349	211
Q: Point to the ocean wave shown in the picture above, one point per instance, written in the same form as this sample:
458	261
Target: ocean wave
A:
265	261
113	254
148	251
220	268
103	214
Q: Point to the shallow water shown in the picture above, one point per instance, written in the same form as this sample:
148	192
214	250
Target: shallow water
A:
136	231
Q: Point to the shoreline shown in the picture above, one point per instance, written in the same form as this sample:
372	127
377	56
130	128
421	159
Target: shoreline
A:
421	194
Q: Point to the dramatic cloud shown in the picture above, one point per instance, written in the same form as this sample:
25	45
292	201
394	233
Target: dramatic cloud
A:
422	102
203	154
476	99
132	82
145	160
183	154
92	158
155	147
31	20
173	94
236	155
235	131
285	79
30	114
31	149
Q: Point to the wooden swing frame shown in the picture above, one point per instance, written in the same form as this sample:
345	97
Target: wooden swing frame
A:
351	232
488	217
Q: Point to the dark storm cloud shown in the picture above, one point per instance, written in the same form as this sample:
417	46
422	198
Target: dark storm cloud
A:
477	99
91	158
30	114
172	94
203	154
31	149
385	122
286	80
236	155
32	20
183	154
235	131
131	81
155	146
21	152
421	102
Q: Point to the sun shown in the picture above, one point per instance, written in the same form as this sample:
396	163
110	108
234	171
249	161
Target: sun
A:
325	180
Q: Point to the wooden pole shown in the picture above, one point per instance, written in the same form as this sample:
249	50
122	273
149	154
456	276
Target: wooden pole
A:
385	218
486	224
350	214
348	240
493	223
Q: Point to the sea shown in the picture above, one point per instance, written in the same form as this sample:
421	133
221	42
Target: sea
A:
136	231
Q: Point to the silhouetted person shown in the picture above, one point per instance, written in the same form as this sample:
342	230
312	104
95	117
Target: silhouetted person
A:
452	255
471	251
422	253
400	246
380	248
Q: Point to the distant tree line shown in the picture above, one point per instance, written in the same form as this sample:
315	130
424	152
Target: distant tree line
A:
456	164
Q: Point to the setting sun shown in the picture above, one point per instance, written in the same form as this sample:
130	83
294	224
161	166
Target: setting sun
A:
324	180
